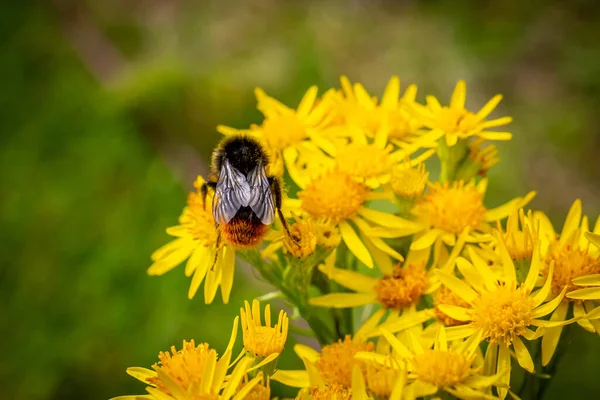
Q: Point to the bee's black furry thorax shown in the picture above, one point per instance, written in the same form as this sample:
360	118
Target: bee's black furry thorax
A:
244	153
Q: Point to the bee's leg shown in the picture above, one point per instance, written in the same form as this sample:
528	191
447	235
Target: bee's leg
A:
278	194
204	191
218	246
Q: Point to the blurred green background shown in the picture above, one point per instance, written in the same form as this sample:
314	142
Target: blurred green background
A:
108	111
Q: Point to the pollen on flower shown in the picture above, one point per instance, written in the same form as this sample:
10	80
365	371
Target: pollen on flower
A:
306	238
442	368
503	314
409	182
452	207
330	392
183	366
445	296
570	262
381	378
263	340
365	160
336	195
403	287
520	236
337	360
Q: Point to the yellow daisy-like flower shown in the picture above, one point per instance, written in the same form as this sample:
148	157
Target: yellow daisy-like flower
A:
573	258
450	208
336	197
196	238
456	122
263	341
453	369
195	372
286	132
332	372
409	180
501	311
333	366
590	283
361	110
399	290
306	238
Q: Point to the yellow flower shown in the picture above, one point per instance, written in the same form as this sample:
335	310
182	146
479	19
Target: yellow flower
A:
193	373
336	197
286	132
501	311
409	180
332	372
456	122
519	237
196	242
399	290
573	259
454	369
449	209
361	110
263	341
592	282
306	239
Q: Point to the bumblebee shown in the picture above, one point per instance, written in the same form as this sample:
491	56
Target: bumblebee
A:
245	199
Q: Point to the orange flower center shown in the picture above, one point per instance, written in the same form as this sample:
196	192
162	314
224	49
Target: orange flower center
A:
330	392
184	366
442	368
503	314
337	360
452	207
403	288
334	195
570	262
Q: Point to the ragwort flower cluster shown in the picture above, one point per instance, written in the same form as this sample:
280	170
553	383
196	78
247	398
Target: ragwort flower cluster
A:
412	284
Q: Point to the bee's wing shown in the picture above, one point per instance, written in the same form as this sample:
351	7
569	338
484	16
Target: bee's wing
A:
261	198
232	192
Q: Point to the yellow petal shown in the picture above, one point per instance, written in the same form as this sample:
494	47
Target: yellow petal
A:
369	326
587	280
406	321
489	107
579	312
141	374
388	220
459	95
504	210
344	300
460	288
355	245
470	273
592	293
391	93
594	237
359	389
456	312
227	265
488	135
523	356
381	258
550	306
351	280
495	122
534	269
503	365
307	102
201	270
425	240
543	293
571	222
396	344
490	361
552	335
460	332
292	378
306	352
363	97
383	246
